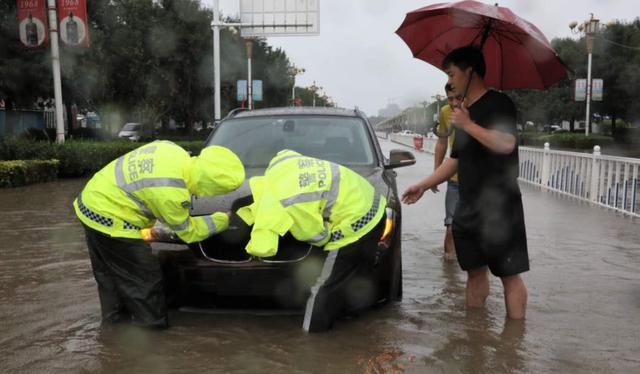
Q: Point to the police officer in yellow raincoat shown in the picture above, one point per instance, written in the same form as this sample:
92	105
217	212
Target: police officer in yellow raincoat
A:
329	206
152	182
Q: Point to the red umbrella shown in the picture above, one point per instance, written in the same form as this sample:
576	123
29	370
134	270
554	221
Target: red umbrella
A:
516	52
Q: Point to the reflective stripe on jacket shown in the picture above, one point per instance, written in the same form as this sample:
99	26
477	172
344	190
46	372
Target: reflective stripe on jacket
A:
319	202
146	184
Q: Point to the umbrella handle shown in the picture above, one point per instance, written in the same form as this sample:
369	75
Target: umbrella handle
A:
445	134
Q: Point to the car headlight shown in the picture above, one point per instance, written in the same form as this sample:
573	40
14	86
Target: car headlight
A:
389	227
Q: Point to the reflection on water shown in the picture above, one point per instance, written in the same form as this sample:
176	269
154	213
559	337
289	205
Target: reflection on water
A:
582	317
476	347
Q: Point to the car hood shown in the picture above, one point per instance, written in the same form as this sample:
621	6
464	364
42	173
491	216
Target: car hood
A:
239	197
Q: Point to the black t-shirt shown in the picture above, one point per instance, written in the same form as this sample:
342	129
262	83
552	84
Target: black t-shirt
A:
487	179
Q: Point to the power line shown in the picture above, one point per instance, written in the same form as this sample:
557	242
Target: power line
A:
618	44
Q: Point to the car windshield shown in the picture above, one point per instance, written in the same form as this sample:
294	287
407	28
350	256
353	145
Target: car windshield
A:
257	140
131	127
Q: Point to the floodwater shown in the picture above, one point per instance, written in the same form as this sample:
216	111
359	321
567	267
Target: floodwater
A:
583	315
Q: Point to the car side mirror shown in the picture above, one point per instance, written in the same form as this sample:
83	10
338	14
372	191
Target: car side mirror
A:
399	158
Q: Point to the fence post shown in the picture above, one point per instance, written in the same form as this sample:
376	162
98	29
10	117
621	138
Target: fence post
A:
545	165
595	174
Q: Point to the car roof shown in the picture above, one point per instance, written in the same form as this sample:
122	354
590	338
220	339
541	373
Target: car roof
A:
290	111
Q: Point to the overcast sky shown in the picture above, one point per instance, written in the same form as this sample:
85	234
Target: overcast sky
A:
360	61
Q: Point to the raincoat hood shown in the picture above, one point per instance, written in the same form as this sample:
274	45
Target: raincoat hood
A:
216	171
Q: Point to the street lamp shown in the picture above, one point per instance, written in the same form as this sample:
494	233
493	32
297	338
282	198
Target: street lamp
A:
424	110
589	27
325	99
294	70
437	98
314	88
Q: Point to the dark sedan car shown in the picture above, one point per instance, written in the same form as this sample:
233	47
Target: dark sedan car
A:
219	272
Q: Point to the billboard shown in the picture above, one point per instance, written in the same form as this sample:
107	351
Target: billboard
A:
32	23
580	90
72	18
279	17
596	89
241	90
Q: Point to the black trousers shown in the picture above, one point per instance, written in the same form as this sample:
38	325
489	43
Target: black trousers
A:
347	283
129	278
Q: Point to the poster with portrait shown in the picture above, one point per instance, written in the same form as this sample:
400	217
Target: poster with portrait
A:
32	23
72	19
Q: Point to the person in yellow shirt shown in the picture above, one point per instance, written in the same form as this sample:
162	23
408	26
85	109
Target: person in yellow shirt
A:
444	143
125	198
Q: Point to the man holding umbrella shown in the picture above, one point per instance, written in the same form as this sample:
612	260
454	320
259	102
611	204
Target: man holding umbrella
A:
488	225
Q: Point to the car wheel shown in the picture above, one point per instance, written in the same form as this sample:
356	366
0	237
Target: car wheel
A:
395	281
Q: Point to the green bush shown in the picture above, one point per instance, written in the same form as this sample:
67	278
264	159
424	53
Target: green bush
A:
77	158
23	149
569	141
22	172
83	158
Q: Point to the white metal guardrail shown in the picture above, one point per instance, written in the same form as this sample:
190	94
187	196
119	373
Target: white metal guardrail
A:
604	180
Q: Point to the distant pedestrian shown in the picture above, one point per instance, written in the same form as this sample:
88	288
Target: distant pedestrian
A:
488	224
446	142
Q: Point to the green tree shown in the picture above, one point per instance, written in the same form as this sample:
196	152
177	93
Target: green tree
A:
616	59
307	95
617	62
149	60
24	73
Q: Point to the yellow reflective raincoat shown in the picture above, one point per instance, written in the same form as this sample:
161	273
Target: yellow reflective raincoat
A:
319	202
156	181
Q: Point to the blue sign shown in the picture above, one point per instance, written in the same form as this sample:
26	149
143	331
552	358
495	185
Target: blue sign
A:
241	92
257	90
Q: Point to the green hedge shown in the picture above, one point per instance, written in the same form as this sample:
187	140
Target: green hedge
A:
22	172
569	141
77	158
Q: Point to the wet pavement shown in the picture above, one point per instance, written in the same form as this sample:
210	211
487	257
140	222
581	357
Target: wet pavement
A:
583	316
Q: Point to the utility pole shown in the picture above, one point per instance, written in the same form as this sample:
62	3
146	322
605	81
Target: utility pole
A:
590	27
314	88
294	70
249	46
215	26
55	66
216	23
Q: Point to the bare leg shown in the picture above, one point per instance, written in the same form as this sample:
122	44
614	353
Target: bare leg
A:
477	287
449	246
515	296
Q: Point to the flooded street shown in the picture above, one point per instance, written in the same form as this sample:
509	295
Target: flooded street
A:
583	315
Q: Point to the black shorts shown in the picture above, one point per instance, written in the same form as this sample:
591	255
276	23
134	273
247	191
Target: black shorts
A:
492	236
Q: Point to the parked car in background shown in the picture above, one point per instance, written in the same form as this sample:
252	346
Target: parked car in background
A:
554	129
218	270
135	131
